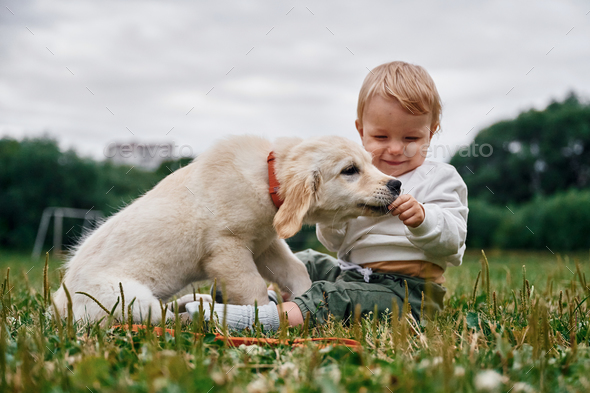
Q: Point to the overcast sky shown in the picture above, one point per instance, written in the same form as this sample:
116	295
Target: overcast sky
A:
89	73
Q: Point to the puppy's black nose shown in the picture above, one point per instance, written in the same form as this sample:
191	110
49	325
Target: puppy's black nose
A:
394	186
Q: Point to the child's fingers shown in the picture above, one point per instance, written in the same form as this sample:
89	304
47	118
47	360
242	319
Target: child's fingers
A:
410	212
400	200
412	222
402	207
395	204
412	217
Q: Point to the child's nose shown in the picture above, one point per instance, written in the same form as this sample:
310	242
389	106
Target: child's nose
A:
395	148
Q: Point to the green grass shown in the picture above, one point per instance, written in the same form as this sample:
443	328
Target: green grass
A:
534	336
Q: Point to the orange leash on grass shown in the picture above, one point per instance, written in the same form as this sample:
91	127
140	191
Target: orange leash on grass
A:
237	341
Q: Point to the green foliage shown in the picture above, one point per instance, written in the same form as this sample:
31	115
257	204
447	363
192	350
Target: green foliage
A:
560	222
538	153
304	239
483	221
35	174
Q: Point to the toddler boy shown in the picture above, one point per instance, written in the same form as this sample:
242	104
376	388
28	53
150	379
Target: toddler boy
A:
398	112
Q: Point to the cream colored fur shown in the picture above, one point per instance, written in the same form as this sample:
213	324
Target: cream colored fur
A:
214	218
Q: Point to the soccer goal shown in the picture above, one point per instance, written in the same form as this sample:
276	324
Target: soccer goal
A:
58	214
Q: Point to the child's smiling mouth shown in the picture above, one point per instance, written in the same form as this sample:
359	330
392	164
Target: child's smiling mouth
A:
393	162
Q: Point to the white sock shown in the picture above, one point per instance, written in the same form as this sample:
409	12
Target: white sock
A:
241	317
272	296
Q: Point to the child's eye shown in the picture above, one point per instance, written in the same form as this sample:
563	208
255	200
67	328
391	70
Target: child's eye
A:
412	138
380	137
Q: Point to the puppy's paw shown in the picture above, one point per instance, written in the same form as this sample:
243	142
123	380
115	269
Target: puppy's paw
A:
184	300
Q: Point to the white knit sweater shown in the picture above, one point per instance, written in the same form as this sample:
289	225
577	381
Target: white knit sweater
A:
440	239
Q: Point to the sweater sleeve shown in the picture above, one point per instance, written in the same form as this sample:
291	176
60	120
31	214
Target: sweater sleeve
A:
331	236
444	229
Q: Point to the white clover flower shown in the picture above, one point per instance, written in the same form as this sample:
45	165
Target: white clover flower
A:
287	369
252	350
331	371
489	381
523	387
259	385
335	374
424	363
459	371
516	365
144	354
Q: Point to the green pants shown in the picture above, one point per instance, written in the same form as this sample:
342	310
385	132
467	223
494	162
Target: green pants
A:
338	292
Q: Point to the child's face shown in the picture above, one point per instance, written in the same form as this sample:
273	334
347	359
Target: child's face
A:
397	139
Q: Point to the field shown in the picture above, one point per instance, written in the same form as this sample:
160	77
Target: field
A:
522	326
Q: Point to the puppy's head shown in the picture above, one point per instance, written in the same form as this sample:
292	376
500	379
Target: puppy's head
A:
329	180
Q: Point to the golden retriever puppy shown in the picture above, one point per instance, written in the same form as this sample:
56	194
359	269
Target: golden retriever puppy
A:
215	218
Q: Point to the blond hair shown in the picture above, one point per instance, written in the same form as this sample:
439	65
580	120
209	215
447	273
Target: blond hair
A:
410	84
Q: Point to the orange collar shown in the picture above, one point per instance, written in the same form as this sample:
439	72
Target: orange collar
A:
273	183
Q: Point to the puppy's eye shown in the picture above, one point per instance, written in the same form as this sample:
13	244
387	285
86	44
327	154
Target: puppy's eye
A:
350	170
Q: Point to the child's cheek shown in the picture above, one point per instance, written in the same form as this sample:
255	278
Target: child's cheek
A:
374	150
411	149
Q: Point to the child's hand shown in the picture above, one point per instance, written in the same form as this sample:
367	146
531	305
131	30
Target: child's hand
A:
409	210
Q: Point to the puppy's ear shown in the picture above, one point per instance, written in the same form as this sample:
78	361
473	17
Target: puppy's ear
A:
298	194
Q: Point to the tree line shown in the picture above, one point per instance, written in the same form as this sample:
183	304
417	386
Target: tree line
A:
35	174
